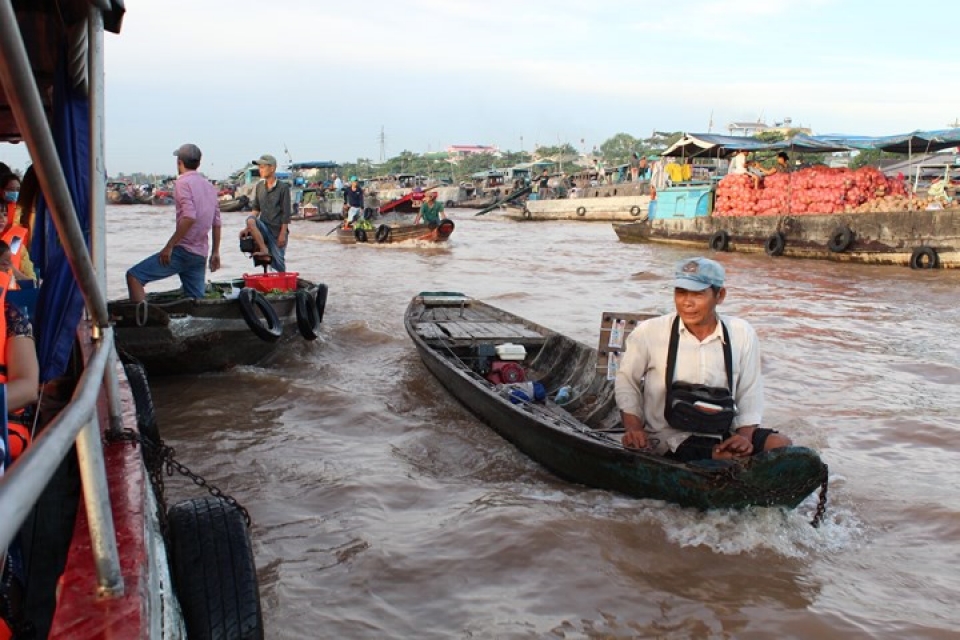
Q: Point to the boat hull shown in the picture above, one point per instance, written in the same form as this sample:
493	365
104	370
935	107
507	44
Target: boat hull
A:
186	336
398	233
626	202
576	441
877	238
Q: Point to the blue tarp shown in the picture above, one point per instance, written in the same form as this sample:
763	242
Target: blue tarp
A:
60	304
718	146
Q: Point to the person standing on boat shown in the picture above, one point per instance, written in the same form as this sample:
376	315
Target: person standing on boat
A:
185	254
431	211
353	201
270	220
689	385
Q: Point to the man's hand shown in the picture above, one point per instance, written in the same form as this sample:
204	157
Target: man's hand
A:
165	255
736	446
282	240
634	437
214	261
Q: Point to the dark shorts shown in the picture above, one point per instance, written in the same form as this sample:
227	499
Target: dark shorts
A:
701	447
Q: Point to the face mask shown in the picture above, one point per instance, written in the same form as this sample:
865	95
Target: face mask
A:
11	196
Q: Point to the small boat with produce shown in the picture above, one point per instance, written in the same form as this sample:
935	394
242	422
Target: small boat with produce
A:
552	397
837	214
238	322
394	232
83	552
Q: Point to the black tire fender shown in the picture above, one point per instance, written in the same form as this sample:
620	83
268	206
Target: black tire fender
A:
841	239
268	327
213	570
308	324
360	235
445	228
775	244
320	301
143	401
527	214
449	204
924	258
720	241
368	213
581	211
635	211
383	233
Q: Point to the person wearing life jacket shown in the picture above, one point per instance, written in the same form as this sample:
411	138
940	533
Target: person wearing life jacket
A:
19	369
14	234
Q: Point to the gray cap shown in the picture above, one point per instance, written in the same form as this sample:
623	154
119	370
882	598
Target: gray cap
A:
188	152
266	159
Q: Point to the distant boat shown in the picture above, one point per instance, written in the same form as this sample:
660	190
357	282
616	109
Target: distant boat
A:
396	232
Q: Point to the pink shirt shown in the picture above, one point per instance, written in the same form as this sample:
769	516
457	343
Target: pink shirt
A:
195	197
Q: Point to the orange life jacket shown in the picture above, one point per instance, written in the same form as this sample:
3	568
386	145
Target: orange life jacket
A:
18	435
15	236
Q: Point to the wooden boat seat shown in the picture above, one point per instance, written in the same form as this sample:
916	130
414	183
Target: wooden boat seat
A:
466	332
615	326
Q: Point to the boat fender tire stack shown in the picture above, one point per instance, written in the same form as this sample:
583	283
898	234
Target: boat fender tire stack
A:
268	327
720	241
924	258
213	570
445	228
581	211
634	211
840	239
383	233
775	244
360	235
308	322
321	301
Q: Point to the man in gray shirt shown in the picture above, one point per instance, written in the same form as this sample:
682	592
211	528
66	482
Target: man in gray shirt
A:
271	214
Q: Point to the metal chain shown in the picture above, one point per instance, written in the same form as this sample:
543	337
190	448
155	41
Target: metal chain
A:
822	504
161	457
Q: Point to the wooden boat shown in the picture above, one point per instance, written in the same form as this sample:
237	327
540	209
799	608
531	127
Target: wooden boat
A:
388	233
85	504
234	204
624	202
234	325
457	338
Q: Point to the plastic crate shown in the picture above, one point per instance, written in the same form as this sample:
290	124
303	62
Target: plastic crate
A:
267	282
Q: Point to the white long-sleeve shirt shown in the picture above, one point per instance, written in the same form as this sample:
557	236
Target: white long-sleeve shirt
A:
641	388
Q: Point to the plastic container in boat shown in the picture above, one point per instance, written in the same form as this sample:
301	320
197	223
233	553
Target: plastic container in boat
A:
510	351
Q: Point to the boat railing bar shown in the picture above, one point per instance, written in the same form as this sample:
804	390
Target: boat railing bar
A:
22	485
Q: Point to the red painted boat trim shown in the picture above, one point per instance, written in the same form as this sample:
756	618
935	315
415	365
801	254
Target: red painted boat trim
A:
81	613
393	204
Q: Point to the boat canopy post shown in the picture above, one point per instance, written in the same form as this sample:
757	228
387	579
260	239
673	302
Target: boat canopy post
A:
98	204
18	82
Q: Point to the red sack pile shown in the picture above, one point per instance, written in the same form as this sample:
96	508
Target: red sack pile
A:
816	190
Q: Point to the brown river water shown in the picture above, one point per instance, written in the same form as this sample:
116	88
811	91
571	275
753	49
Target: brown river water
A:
383	509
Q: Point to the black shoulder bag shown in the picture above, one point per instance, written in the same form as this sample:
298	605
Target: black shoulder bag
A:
698	408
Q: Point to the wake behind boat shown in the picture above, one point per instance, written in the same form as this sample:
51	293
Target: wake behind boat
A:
239	322
508	370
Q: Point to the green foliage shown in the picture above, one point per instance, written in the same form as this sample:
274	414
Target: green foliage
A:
869	158
618	149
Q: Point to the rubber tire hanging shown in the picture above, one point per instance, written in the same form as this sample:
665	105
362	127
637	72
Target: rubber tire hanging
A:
775	244
383	233
581	211
213	570
840	239
268	328
360	235
720	241
445	228
308	322
924	258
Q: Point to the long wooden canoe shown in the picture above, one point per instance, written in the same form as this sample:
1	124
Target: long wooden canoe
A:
457	337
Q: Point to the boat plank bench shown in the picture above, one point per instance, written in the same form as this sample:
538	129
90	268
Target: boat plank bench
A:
461	331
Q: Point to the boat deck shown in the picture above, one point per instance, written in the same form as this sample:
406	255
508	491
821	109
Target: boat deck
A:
457	320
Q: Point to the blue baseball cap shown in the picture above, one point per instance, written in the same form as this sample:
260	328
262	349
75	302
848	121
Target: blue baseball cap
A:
697	274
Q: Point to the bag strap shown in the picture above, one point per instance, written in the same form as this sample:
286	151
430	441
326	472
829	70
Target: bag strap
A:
675	343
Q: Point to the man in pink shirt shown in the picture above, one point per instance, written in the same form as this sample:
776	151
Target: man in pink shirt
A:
185	254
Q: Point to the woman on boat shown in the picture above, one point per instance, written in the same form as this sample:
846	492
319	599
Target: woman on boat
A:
689	385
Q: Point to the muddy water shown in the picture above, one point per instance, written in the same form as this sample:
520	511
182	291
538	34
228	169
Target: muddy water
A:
383	509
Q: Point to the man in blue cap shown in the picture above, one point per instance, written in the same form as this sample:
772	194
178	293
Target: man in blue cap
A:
353	201
689	385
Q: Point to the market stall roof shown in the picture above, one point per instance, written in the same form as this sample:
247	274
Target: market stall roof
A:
42	22
316	164
719	146
914	142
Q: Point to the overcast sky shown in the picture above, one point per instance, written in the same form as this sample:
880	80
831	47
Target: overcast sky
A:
241	77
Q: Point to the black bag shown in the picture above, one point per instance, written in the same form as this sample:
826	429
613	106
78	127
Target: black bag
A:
698	408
